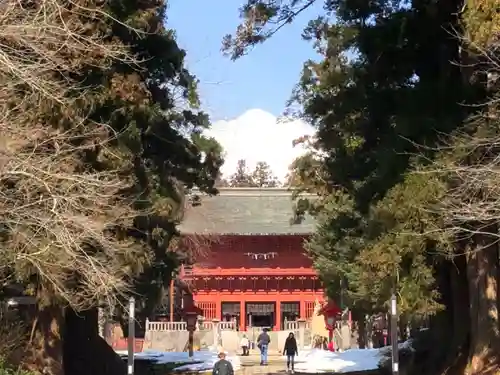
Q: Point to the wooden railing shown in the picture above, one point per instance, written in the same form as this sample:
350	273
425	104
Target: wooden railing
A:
293	325
227	326
174	326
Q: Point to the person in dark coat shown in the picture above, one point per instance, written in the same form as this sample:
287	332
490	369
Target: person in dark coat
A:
290	350
223	366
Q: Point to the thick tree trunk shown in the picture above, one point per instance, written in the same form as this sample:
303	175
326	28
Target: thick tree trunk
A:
85	352
457	310
64	342
403	328
361	325
459	301
437	351
45	349
482	275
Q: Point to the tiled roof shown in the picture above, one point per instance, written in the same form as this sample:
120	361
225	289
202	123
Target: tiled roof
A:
245	211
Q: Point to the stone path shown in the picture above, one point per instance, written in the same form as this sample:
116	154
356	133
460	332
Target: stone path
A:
251	366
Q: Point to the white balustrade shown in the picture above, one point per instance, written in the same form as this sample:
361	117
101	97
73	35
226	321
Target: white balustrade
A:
182	326
227	326
165	326
293	325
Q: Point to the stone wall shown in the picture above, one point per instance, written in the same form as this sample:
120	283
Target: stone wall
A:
176	341
215	335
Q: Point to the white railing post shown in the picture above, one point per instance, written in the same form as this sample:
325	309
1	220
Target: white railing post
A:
173	326
302	332
215	329
131	337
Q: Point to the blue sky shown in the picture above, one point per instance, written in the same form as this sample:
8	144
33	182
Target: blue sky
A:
262	80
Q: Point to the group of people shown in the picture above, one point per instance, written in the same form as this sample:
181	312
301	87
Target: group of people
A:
224	367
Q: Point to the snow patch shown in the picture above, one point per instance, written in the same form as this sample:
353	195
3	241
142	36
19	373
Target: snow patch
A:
201	361
318	361
308	361
352	360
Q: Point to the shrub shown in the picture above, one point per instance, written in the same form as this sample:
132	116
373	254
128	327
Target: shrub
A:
5	369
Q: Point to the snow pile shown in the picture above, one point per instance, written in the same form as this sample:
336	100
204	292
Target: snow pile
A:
201	360
317	360
209	362
352	360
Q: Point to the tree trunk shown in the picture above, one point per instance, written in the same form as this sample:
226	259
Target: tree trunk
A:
85	352
361	325
459	301
403	328
457	308
482	275
45	348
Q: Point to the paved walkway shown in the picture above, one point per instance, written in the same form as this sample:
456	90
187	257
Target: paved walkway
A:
251	365
254	358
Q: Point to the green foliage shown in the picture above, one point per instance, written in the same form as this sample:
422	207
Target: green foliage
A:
382	92
132	120
262	176
5	369
162	128
481	23
404	239
405	168
242	176
364	256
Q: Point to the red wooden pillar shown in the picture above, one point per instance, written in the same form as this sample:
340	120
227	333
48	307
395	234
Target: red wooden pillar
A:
277	318
243	316
302	312
218	308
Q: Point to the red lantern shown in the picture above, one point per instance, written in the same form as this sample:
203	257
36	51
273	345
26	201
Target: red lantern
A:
330	312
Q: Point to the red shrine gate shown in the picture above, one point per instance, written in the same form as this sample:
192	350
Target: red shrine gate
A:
262	288
255	271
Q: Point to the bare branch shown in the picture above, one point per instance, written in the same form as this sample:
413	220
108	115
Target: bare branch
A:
60	219
470	161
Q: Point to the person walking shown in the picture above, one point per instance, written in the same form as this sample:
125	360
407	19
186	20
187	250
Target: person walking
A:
290	350
263	344
223	366
245	346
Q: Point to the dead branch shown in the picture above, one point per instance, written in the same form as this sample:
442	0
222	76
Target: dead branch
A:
60	219
470	162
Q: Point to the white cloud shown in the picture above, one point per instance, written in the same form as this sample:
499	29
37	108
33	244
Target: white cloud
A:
256	136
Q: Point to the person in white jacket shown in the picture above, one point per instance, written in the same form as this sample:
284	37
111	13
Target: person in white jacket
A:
245	345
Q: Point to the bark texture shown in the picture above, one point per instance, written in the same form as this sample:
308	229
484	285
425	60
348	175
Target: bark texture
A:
482	276
45	349
361	325
85	352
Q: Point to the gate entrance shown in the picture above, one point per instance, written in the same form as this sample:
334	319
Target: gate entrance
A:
261	314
